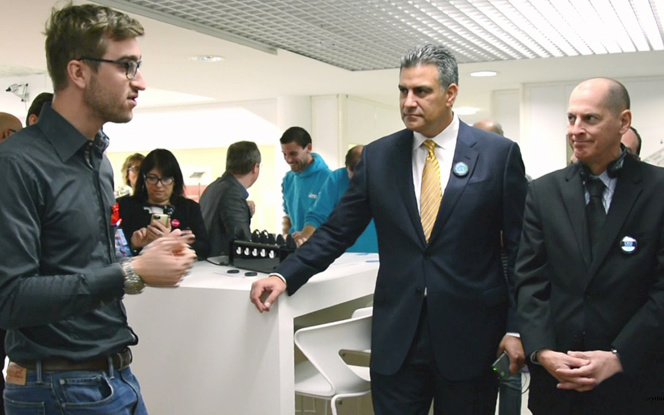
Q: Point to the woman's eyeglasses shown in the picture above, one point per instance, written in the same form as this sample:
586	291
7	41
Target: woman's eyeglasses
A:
153	180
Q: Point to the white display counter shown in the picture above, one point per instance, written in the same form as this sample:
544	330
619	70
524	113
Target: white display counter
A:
204	349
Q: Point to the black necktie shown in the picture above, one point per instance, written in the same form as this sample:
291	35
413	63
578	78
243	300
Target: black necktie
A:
595	210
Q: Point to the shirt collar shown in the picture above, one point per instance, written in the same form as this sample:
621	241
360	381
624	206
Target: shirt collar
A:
445	139
605	178
64	137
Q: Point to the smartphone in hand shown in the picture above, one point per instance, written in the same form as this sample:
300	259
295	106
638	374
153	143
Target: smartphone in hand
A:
161	218
501	367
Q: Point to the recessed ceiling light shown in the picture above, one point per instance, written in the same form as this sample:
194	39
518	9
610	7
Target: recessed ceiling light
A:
207	58
482	74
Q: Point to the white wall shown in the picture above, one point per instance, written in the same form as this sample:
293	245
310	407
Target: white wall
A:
12	104
368	121
506	110
544	109
342	121
201	126
326	129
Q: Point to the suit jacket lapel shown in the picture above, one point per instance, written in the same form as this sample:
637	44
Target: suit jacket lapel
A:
575	206
403	176
464	153
627	191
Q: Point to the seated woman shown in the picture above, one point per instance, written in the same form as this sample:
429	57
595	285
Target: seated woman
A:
160	194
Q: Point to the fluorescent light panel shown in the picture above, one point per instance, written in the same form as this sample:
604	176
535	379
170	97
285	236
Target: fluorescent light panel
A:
483	74
373	34
648	14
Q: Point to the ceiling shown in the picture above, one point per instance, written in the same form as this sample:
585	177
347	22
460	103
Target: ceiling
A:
372	34
273	48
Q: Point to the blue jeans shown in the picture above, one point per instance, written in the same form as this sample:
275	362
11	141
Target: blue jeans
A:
75	393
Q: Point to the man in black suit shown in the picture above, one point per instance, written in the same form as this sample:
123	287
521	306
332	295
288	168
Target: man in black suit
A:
441	302
590	269
224	206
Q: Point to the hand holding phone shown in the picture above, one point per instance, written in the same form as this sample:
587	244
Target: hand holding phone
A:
161	218
501	367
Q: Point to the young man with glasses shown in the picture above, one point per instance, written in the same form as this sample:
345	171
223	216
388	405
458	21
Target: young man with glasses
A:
61	291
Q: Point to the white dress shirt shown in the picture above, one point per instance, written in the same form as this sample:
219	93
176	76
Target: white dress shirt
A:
445	146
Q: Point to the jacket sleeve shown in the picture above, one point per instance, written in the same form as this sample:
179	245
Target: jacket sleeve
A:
532	281
234	215
641	340
202	242
515	187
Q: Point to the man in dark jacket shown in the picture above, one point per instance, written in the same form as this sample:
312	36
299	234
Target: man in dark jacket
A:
590	271
224	202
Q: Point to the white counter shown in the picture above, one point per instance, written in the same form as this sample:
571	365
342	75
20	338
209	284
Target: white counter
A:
204	349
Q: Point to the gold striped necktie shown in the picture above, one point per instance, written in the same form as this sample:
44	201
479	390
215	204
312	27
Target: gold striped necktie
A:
431	193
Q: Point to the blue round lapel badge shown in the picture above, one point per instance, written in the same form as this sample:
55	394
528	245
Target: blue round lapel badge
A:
460	169
628	245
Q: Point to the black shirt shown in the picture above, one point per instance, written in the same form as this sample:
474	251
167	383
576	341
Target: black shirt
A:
60	288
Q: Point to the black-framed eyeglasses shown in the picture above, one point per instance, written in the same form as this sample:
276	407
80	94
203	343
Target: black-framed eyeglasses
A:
153	180
133	168
131	66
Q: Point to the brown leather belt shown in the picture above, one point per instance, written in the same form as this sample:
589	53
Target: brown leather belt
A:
120	361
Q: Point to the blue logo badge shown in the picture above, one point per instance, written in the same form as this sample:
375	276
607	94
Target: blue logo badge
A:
460	169
628	245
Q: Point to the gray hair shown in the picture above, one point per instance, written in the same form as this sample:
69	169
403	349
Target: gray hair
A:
241	157
448	70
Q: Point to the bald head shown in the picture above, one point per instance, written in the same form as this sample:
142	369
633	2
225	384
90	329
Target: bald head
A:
597	116
489	125
8	125
613	94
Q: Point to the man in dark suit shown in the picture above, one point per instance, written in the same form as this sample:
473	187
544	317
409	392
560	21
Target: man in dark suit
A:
590	269
441	301
224	206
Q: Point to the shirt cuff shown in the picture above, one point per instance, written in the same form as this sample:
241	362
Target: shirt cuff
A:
274	274
513	334
533	357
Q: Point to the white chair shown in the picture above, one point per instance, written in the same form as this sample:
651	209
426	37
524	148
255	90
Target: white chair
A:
364	311
325	375
363	369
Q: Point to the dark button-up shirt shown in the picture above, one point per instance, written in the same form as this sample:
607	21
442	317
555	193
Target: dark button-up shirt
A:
60	285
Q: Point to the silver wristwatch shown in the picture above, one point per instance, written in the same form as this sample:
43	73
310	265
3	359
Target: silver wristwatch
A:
133	284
